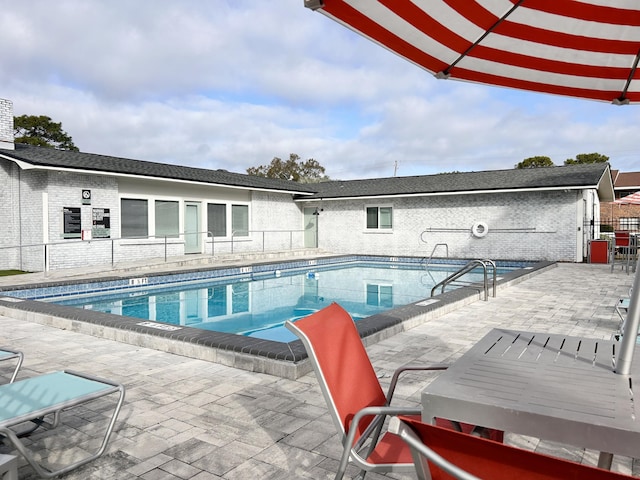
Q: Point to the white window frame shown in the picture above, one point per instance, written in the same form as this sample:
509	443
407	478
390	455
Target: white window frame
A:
629	223
122	213
378	228
171	234
380	297
151	214
230	218
227	210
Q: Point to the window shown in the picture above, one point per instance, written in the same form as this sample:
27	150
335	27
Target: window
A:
217	219
240	297
379	218
379	295
167	221
240	220
629	223
135	218
217	301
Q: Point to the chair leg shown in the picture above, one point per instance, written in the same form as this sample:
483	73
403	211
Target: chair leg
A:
12	437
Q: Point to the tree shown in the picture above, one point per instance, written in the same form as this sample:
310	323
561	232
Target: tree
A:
309	171
42	131
535	162
587	158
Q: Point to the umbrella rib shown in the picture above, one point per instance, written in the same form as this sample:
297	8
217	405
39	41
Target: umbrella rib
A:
445	73
622	99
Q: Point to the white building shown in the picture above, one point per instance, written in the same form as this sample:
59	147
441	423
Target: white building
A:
62	209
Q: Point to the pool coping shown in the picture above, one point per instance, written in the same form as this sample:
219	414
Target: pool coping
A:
288	360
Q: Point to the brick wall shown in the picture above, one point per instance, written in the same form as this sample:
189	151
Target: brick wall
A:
531	226
9	233
611	213
6	124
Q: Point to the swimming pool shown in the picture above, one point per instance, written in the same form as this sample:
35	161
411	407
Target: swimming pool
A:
255	352
258	307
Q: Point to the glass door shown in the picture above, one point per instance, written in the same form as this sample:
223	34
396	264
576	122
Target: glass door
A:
192	236
311	227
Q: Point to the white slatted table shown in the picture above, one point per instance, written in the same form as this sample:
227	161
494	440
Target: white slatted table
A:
548	386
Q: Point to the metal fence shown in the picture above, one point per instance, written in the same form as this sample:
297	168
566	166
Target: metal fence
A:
607	226
103	251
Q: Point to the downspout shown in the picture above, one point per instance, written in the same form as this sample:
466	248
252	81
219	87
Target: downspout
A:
20	215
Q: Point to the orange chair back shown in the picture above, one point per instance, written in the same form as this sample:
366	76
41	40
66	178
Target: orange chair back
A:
341	363
621	238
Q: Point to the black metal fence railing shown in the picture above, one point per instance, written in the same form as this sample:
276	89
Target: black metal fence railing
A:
631	224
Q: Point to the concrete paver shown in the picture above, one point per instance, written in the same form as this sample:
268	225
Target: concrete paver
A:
191	419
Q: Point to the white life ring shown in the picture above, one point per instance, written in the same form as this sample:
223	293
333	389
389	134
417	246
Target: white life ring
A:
479	229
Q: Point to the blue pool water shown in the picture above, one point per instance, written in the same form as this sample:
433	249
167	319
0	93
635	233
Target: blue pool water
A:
258	307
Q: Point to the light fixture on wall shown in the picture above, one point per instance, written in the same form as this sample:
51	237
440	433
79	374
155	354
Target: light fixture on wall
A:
317	211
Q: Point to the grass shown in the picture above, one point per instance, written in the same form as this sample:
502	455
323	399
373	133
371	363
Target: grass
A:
6	273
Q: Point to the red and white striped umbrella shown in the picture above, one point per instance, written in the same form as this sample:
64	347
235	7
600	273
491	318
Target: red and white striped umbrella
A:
578	48
632	199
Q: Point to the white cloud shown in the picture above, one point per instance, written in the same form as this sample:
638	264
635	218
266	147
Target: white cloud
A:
231	84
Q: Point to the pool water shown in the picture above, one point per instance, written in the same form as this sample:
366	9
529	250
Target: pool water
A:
259	307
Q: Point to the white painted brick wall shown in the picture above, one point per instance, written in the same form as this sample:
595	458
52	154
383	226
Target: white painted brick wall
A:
551	216
531	226
6	124
65	190
9	234
271	212
28	206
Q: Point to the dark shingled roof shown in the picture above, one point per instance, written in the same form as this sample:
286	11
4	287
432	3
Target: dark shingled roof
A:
51	157
493	180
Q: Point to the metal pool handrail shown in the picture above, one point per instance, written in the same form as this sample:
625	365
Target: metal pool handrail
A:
466	269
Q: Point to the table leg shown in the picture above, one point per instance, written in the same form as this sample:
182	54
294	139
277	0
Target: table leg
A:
605	460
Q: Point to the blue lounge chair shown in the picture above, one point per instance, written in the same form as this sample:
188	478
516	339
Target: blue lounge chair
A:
33	399
6	354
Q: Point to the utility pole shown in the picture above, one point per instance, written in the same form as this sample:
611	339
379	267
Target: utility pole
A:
395	168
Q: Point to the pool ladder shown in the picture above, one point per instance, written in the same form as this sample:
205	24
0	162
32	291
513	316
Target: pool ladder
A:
473	264
428	259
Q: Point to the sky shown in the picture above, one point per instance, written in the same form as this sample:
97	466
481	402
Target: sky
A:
232	84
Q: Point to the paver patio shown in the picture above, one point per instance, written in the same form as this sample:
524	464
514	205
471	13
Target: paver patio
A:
191	419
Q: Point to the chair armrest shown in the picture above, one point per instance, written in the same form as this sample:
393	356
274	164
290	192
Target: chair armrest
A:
376	424
407	368
404	431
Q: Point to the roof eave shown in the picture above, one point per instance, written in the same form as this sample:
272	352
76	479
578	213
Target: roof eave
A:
457	192
606	191
25	165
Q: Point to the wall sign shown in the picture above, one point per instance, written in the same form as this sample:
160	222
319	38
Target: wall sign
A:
101	227
71	222
86	197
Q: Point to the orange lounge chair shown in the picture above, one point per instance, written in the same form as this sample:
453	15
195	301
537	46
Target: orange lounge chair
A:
356	400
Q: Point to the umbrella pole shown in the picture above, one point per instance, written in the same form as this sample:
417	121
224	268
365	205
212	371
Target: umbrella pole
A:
630	331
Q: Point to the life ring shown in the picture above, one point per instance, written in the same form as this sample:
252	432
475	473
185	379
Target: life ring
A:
479	229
